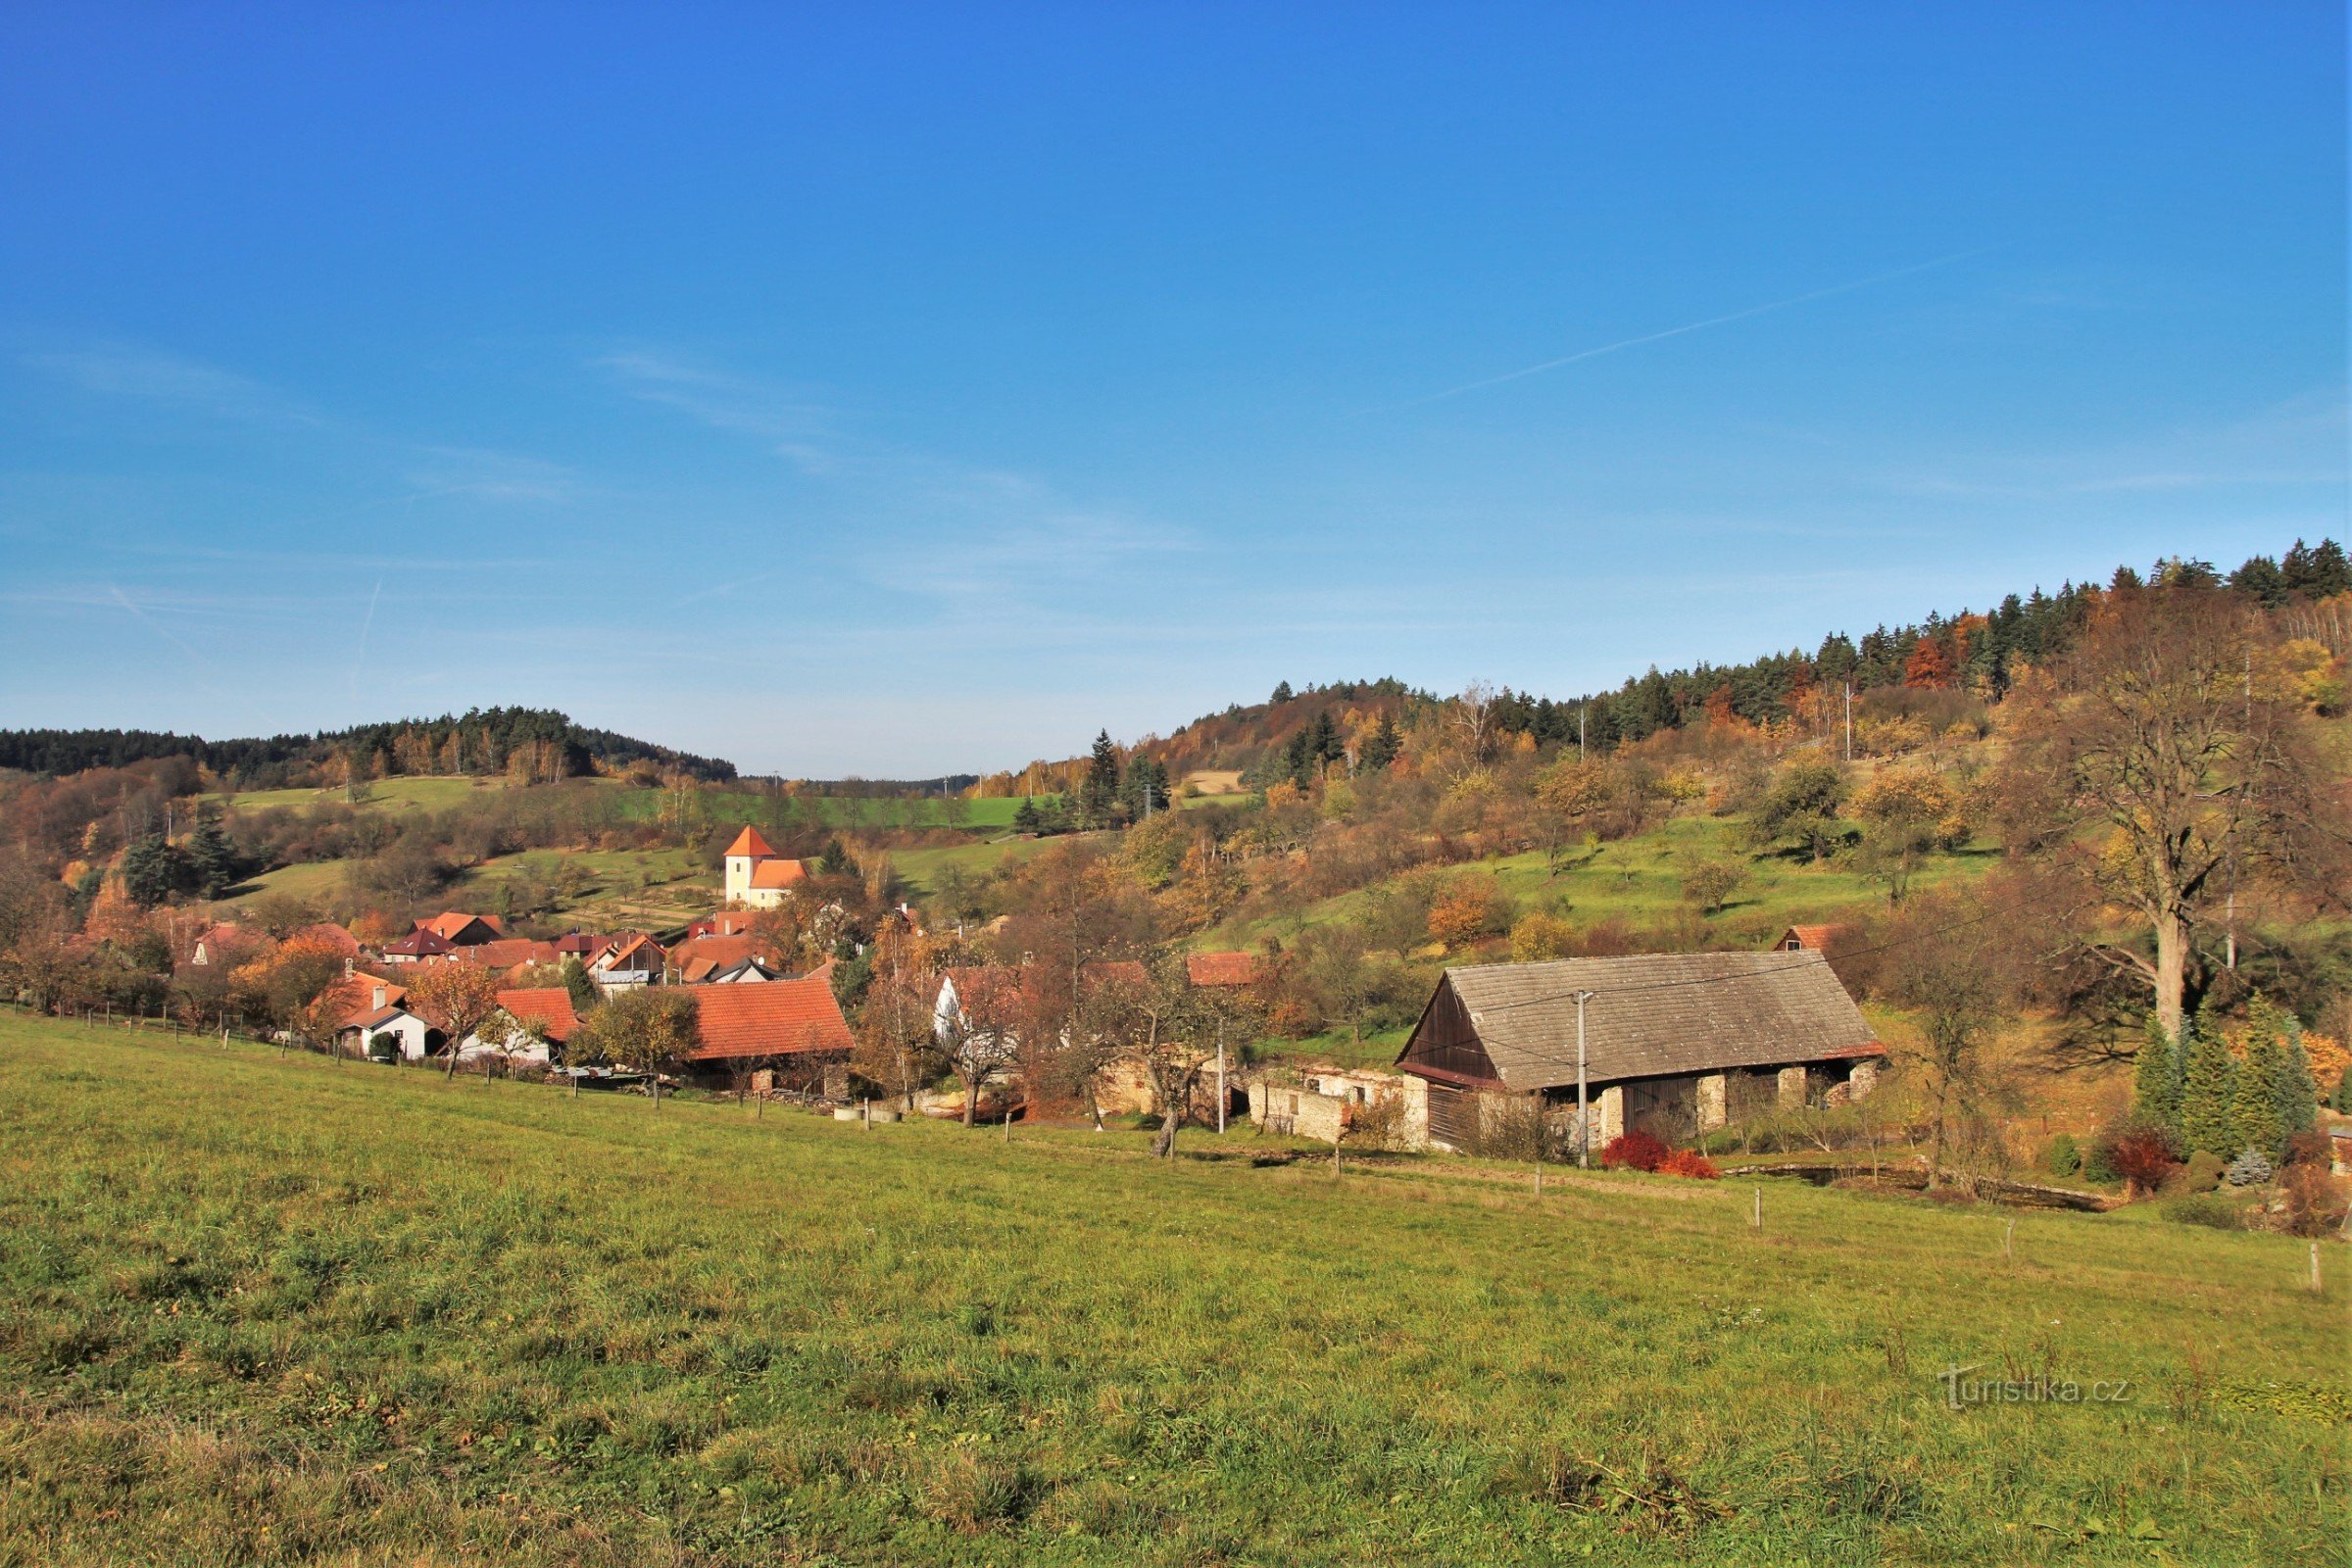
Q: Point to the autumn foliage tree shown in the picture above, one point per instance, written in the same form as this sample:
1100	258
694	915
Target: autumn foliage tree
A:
2167	759
455	999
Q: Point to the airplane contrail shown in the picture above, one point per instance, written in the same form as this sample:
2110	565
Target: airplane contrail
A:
1692	327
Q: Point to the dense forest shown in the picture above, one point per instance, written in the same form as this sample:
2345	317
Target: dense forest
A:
541	743
1895	674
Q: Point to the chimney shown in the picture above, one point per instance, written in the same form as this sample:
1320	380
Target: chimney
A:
380	998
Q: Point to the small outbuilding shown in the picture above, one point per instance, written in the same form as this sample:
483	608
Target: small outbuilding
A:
1676	1044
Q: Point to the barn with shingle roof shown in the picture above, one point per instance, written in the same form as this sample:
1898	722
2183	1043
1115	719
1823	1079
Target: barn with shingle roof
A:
1673	1042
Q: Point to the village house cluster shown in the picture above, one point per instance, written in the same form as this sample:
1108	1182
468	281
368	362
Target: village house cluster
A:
1675	1045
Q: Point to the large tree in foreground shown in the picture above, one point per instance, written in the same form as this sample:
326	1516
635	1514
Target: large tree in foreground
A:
2168	755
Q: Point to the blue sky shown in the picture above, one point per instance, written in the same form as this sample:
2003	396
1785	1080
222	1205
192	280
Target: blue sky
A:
896	390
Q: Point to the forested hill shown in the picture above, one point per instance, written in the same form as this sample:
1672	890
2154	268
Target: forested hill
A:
539	742
1970	654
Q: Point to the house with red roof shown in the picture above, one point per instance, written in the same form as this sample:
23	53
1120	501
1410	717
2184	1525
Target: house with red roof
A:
227	944
546	1010
634	959
1811	938
423	944
1222	971
464	930
791	1026
758	877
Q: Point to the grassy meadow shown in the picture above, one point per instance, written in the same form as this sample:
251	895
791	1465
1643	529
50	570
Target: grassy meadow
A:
264	1310
1640	881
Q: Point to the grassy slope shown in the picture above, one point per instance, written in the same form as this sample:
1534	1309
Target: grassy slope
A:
290	1311
1638	881
387	795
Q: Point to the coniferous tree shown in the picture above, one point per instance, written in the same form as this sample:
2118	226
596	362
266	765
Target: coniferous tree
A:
211	860
1381	747
1099	794
2209	1091
2298	1092
1025	818
2258	1124
1282	693
153	869
2156	1079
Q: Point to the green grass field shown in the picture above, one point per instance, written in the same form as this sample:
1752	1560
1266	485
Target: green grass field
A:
1638	881
285	1311
836	811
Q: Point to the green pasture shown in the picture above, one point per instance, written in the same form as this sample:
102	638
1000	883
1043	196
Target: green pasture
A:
264	1310
845	812
1640	881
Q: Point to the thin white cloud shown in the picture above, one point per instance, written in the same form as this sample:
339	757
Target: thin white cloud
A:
153	377
1689	327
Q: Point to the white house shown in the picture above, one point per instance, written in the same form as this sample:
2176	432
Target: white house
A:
396	1026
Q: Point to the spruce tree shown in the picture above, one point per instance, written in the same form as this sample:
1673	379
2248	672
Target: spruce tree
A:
1380	747
1025	818
2208	1092
153	869
2156	1079
212	860
2260	1078
2298	1092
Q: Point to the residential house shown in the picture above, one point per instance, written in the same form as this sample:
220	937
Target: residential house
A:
465	930
757	876
372	1017
698	959
327	934
1223	971
789	1027
1676	1044
227	944
547	1006
511	953
1811	938
423	944
634	959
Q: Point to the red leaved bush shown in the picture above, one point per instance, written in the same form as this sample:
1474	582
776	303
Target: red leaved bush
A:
1637	1151
2143	1158
1690	1162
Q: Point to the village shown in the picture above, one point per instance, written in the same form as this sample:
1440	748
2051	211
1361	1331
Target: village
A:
1670	1045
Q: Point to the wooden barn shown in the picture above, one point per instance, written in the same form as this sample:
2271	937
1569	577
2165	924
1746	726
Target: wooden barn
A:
1676	1044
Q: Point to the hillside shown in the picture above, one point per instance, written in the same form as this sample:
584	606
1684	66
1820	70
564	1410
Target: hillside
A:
293	1311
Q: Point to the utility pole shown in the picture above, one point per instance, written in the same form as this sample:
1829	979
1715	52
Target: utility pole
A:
1580	732
1584	1126
1849	721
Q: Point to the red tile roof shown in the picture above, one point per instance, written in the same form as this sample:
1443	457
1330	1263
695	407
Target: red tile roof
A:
329	933
629	951
749	842
724	923
783	1017
352	999
1221	968
1811	938
718	950
509	952
422	943
778	873
454	924
549	1006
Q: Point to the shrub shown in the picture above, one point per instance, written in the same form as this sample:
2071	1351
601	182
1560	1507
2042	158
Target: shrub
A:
2098	1161
2062	1157
2315	1202
2209	1209
1635	1150
2250	1168
1689	1163
2142	1156
2202	1173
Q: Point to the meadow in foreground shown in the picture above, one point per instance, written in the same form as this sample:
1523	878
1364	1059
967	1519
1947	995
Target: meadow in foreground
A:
276	1310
